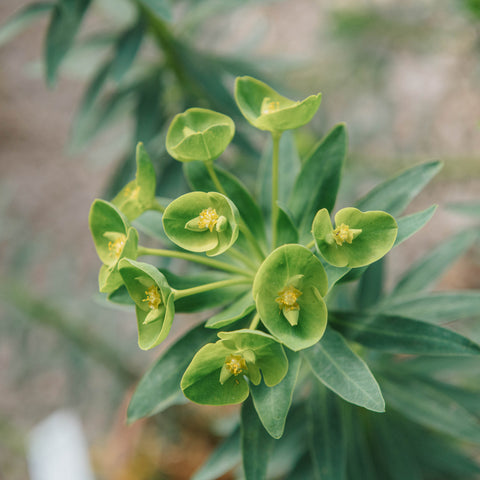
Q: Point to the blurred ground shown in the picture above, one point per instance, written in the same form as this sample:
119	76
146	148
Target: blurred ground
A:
408	90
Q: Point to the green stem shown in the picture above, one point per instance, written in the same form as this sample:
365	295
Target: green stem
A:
209	262
214	177
209	286
242	258
310	245
157	206
275	160
255	321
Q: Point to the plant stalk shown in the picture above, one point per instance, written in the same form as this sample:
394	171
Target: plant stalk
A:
209	286
275	161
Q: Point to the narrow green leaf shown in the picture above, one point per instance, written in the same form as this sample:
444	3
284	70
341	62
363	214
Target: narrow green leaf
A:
287	231
428	406
410	224
395	194
162	8
317	184
395	334
327	437
273	403
22	19
199	179
223	459
304	469
435	307
370	286
431	266
240	308
159	388
343	372
64	24
471	208
257	444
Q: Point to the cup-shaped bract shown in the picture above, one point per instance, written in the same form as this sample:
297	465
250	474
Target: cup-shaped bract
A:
218	372
139	194
288	289
267	110
114	239
202	222
199	134
154	301
358	239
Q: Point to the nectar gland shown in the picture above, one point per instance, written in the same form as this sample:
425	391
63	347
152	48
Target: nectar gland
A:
269	106
153	297
343	233
132	193
287	299
116	247
208	218
235	364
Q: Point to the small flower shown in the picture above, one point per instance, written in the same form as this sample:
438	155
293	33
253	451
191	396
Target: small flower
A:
344	233
153	298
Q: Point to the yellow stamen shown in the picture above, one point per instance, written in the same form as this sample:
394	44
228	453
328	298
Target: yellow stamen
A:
269	106
208	218
236	364
343	234
116	247
287	298
153	297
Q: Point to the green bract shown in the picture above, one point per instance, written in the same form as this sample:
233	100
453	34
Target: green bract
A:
114	239
153	299
139	194
360	238
199	134
218	372
288	289
267	110
202	222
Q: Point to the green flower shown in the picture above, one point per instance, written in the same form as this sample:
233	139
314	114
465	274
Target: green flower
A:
139	194
153	299
267	110
358	239
202	222
199	134
114	239
219	371
288	289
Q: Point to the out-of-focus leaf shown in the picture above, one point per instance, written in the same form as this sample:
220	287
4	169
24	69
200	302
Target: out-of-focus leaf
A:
223	459
159	388
410	224
429	268
428	406
394	195
342	371
435	307
273	403
317	184
287	231
22	19
328	447
64	24
370	286
471	209
395	334
161	8
257	444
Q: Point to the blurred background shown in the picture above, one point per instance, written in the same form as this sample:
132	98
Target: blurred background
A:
404	77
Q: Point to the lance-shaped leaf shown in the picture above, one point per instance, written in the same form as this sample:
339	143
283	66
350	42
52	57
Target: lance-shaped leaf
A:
202	222
273	403
288	289
267	110
395	334
114	239
199	134
139	194
240	308
218	372
153	299
341	370
360	238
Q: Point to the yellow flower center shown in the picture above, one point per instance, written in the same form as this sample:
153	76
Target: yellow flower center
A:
343	234
208	218
236	364
287	298
116	247
153	297
269	106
